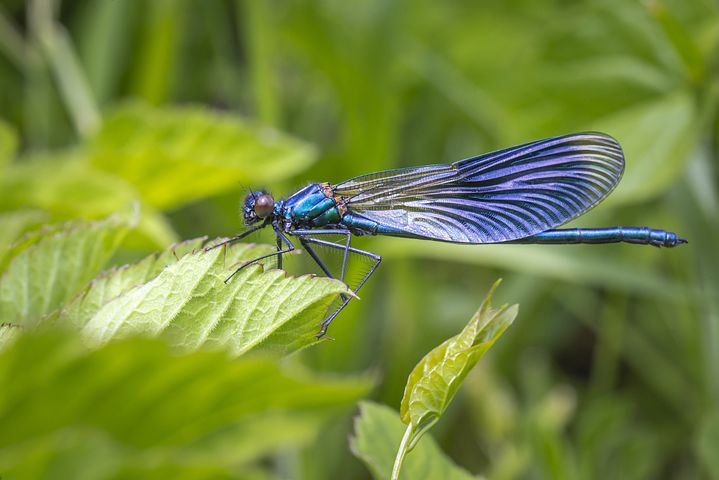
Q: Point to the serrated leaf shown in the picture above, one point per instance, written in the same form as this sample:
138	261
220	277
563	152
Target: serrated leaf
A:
12	224
378	430
117	281
134	408
190	304
52	268
436	378
174	156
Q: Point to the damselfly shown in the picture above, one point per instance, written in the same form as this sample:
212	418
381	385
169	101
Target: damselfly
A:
516	195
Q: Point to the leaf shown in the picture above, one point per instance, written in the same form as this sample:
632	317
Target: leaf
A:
436	378
575	265
190	304
134	408
64	185
174	156
54	265
378	431
12	224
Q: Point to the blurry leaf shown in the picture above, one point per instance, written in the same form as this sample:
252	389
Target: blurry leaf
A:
8	144
133	408
67	187
570	264
436	378
656	150
378	431
708	444
13	223
190	304
175	156
48	272
119	280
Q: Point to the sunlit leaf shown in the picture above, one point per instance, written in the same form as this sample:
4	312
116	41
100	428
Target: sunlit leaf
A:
119	280
13	223
377	433
436	378
66	187
174	156
190	304
135	407
52	268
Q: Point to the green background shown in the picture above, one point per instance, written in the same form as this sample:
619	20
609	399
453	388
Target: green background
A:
612	367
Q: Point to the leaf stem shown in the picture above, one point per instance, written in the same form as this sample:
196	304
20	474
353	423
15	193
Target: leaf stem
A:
402	452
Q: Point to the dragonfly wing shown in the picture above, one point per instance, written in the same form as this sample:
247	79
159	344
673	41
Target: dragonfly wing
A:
494	197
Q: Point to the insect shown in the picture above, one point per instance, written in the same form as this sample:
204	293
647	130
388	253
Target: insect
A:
516	195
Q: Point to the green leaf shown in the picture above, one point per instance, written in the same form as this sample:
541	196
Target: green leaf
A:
64	185
52	265
14	223
378	431
119	280
436	378
174	156
190	304
584	267
134	408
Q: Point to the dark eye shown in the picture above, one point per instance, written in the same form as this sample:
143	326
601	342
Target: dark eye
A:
264	205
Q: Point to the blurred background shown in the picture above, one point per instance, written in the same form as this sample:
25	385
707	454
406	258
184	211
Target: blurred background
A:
612	367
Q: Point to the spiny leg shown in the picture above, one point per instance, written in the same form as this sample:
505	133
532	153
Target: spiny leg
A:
235	238
280	238
377	259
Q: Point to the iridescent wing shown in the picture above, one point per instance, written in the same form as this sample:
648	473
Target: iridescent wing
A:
495	197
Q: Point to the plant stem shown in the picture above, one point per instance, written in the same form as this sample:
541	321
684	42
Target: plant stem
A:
401	452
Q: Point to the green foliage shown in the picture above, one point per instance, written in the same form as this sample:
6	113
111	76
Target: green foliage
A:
134	409
53	265
176	156
436	378
615	373
190	304
378	431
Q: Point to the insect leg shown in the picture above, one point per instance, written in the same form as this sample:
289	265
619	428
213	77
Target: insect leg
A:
235	238
305	240
280	238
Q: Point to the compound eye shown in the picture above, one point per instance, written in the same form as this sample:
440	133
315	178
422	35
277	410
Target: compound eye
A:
264	205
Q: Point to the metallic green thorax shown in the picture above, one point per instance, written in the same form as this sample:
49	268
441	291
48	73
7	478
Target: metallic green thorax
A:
313	206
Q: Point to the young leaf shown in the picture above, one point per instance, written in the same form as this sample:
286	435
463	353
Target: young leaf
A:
174	156
54	265
378	431
436	378
190	304
134	407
